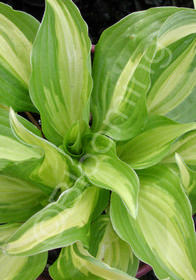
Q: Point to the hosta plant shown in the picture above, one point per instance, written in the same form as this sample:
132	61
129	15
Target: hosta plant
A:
110	175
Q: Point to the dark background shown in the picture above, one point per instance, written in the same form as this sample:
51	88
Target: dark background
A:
100	14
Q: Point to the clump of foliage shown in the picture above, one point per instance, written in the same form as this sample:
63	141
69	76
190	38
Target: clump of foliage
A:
120	190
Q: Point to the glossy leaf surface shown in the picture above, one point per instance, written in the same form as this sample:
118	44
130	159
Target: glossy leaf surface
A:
172	73
17	268
107	247
185	146
75	261
105	170
19	199
57	169
61	83
17	33
163	234
188	179
59	224
11	150
154	143
121	73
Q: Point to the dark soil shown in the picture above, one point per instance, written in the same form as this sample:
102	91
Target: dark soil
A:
99	14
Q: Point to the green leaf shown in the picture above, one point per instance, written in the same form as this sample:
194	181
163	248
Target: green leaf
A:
108	258
75	262
61	83
11	151
185	111
17	34
185	146
17	195
163	233
17	159
172	73
178	25
151	146
121	72
105	170
59	224
102	203
5	124
72	143
106	246
7	230
173	78
173	85
188	179
57	169
17	268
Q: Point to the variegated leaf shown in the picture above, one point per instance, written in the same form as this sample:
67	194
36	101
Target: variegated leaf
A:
172	73
104	169
75	262
185	146
61	83
17	268
121	72
17	33
163	234
19	199
154	143
5	128
73	141
59	224
57	169
11	150
106	246
7	230
188	179
18	160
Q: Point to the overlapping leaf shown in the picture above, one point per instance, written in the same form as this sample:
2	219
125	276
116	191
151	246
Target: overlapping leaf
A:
61	83
188	179
121	73
163	234
154	143
17	268
172	74
17	161
185	146
73	141
56	169
17	33
107	247
104	169
9	142
117	91
59	224
11	150
75	262
7	230
19	199
5	124
108	256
